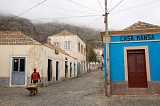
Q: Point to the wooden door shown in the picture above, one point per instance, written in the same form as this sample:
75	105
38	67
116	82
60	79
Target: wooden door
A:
137	77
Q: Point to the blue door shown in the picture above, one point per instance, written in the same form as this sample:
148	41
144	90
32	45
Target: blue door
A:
74	70
70	69
78	69
18	71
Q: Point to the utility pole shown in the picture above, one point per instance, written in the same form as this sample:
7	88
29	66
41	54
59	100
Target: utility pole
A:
106	41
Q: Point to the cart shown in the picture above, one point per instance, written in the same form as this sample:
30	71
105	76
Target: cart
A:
33	89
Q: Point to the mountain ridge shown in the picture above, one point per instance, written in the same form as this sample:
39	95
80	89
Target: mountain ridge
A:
40	31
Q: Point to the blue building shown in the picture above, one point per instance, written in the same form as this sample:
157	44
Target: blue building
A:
134	59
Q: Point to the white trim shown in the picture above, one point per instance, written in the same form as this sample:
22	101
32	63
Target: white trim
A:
11	72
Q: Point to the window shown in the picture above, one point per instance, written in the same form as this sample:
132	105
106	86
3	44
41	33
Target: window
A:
56	44
82	49
19	64
78	46
67	45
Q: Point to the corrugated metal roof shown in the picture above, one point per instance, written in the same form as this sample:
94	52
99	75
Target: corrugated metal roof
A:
15	38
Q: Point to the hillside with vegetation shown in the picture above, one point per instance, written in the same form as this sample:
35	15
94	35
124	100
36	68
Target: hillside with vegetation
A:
40	31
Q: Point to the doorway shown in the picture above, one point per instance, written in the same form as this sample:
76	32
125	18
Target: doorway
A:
57	72
137	77
18	71
74	69
70	69
49	70
66	69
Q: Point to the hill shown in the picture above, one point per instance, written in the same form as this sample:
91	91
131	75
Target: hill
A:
40	31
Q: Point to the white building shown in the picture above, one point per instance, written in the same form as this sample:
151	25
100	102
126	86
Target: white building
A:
99	52
73	45
20	54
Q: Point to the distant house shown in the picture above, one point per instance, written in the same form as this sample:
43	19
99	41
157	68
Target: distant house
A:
20	54
99	52
134	60
74	46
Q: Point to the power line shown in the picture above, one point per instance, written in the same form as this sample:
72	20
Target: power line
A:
83	16
94	20
115	6
61	8
82	6
27	10
135	6
110	4
100	5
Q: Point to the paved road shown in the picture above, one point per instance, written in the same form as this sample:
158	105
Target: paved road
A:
80	91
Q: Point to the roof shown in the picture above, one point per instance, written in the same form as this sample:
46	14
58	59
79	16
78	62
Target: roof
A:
141	25
15	38
131	32
136	28
64	33
57	48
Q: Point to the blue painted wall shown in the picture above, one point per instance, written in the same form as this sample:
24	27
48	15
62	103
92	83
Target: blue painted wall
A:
105	67
117	56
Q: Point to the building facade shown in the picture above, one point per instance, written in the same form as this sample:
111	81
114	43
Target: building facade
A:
134	60
20	54
73	45
99	52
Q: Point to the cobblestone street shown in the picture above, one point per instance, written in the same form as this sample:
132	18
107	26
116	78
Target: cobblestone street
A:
81	91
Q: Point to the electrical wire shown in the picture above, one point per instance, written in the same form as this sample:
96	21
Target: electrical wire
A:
27	10
83	6
135	6
72	17
94	20
115	6
100	5
110	4
22	13
62	8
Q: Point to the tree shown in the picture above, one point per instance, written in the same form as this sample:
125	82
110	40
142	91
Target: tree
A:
91	55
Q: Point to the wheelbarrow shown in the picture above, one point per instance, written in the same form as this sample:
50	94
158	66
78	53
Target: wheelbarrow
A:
33	89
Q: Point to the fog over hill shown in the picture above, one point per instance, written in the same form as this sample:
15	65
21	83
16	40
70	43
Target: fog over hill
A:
40	30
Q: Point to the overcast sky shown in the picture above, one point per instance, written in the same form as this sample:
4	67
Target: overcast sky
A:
87	13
